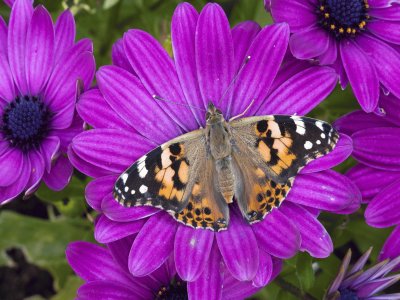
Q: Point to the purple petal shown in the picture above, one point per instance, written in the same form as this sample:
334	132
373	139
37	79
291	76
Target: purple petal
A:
270	231
9	2
342	151
341	274
298	14
64	34
49	150
390	13
238	246
153	244
374	147
243	35
385	59
92	262
359	120
37	171
20	18
110	149
314	237
380	3
264	272
119	250
129	99
375	286
371	181
330	55
326	190
362	75
209	284
8	193
97	189
107	231
302	92
119	58
391	105
391	248
266	54
309	42
39	56
237	290
383	210
116	212
386	30
7	88
183	30
195	244
93	108
67	134
60	174
157	73
11	165
85	167
214	56
104	290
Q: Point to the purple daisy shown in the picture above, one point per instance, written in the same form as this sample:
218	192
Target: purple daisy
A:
360	38
355	283
377	175
39	67
128	122
106	276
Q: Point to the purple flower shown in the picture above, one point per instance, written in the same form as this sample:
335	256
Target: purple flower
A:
39	67
128	122
359	38
106	276
377	148
356	283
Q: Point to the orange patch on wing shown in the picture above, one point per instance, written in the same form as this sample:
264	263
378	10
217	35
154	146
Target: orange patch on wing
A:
264	151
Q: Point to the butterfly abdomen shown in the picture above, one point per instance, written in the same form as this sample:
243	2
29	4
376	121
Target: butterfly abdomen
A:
226	179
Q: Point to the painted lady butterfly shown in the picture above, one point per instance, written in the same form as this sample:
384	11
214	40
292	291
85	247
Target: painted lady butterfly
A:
254	160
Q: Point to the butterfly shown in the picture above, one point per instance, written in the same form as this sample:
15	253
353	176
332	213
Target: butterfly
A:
253	160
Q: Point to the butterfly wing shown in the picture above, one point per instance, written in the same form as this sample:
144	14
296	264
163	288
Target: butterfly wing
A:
177	177
268	152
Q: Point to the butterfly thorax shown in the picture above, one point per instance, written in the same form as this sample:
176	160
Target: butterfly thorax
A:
219	146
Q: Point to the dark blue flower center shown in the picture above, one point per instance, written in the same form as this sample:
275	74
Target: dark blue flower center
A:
343	18
347	294
25	122
177	290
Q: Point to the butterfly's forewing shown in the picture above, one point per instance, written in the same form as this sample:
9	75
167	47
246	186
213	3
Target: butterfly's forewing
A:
178	178
269	151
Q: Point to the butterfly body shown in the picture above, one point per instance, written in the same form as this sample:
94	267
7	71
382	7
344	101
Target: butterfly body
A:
250	160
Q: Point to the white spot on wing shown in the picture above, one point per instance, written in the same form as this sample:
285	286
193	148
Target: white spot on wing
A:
323	135
133	192
308	145
124	177
319	125
318	142
143	189
300	127
126	189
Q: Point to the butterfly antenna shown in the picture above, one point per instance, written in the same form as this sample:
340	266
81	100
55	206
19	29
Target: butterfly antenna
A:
176	103
234	78
243	113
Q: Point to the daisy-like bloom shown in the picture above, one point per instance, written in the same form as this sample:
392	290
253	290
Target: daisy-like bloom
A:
40	65
128	123
377	148
106	276
355	283
360	38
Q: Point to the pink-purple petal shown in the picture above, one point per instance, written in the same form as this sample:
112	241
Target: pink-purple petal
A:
183	32
97	189
380	3
270	231
342	151
301	40
49	149
391	248
8	193
153	245
39	57
325	190
214	56
375	147
60	174
361	73
386	30
383	210
330	55
107	231
7	87
239	249
391	13
266	54
20	18
37	171
118	56
64	33
157	73
193	244
130	100
11	165
85	167
264	272
105	290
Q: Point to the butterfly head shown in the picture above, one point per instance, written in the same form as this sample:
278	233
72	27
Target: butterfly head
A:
213	115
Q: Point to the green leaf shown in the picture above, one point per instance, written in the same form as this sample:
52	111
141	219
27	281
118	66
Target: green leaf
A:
69	291
304	271
109	3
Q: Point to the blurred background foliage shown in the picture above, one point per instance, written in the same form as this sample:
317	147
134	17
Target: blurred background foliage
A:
34	232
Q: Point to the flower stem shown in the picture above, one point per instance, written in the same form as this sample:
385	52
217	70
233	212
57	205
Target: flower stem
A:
292	289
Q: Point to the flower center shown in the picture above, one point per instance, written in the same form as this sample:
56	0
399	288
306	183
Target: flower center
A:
25	122
346	294
343	18
177	290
